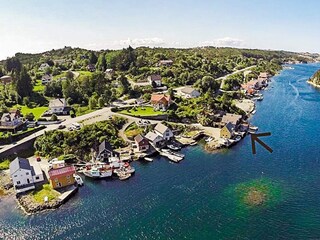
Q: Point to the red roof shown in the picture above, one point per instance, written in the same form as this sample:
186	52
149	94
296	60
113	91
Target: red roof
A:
155	98
65	171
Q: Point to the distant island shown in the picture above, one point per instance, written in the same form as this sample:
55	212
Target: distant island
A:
315	79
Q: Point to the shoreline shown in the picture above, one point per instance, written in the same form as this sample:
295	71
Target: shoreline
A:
313	84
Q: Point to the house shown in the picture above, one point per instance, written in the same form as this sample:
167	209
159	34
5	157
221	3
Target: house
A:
109	72
160	101
155	80
105	151
6	79
62	177
189	92
43	66
11	121
46	79
142	143
227	131
91	67
59	106
154	139
23	175
264	75
163	131
165	62
232	118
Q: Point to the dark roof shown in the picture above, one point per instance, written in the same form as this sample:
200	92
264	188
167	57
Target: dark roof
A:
229	126
155	77
19	163
105	145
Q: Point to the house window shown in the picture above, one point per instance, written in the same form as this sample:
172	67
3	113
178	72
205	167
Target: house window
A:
37	178
56	180
68	177
15	176
18	182
59	184
27	173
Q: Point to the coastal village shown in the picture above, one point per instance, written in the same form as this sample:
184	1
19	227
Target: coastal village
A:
155	119
64	179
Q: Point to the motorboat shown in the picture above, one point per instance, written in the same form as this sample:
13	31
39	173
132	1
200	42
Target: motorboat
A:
237	139
78	179
209	139
98	170
148	159
173	147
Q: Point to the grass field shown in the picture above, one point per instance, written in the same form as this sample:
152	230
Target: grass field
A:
85	73
37	111
142	111
4	165
38	87
133	130
46	191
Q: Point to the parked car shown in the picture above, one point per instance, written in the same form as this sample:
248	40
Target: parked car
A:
62	126
38	159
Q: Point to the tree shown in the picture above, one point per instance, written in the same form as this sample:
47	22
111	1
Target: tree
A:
29	116
101	102
69	75
102	63
54	117
13	64
92	58
92	103
24	84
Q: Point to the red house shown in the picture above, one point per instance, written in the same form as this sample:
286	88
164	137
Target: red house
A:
142	143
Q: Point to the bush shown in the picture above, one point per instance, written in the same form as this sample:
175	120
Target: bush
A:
5	164
54	117
29	116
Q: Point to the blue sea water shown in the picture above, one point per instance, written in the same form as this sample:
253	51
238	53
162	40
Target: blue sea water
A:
190	200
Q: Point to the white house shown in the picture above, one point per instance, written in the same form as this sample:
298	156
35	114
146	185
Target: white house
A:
11	121
23	175
189	92
58	106
43	66
155	80
163	131
154	138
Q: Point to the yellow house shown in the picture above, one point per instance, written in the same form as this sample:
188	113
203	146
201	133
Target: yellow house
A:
62	177
227	131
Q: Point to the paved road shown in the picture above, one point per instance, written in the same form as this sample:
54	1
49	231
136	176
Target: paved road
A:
230	74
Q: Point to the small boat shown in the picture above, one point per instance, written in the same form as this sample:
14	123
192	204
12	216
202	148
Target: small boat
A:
193	143
260	98
237	139
173	147
97	170
209	139
78	179
175	159
253	128
125	176
148	159
254	111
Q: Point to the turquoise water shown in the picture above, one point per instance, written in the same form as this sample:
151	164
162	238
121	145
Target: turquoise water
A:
190	200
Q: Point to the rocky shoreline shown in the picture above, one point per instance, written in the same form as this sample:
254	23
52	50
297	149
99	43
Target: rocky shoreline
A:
29	206
313	84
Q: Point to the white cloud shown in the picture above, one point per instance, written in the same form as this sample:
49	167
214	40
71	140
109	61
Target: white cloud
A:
224	42
136	42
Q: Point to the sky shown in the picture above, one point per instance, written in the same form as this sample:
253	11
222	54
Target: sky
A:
35	26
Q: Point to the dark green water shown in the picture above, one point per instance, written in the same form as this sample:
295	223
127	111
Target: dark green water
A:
194	199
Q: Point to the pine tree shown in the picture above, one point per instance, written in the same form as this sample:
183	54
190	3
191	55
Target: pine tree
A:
24	84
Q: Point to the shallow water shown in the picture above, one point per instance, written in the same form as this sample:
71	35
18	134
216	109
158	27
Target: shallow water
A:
189	200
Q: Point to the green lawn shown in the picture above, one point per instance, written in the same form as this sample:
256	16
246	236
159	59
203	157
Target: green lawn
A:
133	130
142	111
46	191
85	73
38	87
37	111
4	165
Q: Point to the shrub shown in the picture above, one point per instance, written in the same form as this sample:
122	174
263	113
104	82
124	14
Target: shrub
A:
54	117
